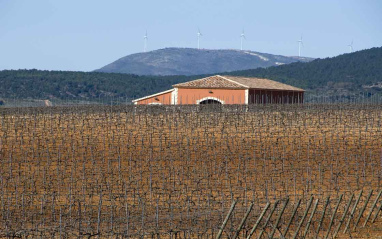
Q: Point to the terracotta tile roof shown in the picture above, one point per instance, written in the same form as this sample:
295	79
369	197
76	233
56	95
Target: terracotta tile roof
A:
258	83
157	94
210	82
234	82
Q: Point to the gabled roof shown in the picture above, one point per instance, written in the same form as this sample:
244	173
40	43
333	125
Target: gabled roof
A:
234	82
211	82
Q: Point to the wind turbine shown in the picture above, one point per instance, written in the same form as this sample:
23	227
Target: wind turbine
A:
351	46
145	42
199	35
299	46
242	36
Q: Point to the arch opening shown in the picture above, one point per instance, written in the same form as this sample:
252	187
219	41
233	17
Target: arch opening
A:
210	102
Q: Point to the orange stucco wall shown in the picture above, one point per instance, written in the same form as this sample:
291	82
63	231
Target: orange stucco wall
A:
229	96
164	99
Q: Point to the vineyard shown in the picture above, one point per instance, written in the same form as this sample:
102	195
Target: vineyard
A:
175	172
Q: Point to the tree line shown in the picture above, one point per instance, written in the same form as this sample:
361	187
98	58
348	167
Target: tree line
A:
344	74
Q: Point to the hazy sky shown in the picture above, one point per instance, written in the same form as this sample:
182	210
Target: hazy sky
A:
84	35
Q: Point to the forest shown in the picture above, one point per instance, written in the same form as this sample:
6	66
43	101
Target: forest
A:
343	75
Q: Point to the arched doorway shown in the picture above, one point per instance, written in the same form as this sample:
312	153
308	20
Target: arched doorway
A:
210	101
210	104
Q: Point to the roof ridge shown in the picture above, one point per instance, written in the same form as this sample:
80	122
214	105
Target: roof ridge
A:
213	77
232	81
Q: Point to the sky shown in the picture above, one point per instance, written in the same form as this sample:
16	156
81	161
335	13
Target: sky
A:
84	35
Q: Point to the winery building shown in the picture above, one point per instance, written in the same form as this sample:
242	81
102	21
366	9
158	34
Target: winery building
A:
226	90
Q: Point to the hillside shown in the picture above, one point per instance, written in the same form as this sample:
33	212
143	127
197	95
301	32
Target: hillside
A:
69	85
344	75
190	61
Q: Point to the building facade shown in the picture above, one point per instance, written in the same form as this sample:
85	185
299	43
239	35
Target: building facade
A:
226	90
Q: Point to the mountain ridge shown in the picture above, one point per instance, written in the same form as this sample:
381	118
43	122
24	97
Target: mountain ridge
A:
191	61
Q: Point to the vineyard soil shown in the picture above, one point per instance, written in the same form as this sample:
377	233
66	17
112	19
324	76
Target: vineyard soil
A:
145	172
